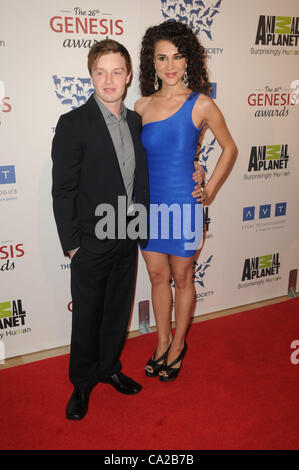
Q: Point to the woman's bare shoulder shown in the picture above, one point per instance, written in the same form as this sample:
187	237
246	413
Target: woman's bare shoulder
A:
205	100
142	104
205	105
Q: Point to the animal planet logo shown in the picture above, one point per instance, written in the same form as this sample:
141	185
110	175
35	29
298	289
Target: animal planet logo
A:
72	91
261	266
194	13
266	160
11	314
277	31
268	157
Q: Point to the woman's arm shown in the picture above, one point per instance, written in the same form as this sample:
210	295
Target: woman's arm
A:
206	110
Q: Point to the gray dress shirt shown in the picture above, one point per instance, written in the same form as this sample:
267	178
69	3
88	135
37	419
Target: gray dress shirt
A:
122	141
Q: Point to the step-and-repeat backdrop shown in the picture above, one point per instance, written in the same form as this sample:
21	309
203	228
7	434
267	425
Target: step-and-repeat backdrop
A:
251	250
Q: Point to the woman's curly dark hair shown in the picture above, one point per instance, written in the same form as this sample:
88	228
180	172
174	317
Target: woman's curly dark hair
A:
181	36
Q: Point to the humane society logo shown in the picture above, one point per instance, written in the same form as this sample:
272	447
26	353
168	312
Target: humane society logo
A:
205	153
200	271
199	274
198	15
72	91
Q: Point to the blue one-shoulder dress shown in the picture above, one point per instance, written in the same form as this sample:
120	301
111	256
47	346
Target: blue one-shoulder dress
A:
175	218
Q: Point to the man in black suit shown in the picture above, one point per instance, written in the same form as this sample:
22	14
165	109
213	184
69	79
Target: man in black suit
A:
98	160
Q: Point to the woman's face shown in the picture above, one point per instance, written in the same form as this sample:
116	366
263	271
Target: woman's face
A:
170	64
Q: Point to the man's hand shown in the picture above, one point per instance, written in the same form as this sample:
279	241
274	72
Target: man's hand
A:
73	252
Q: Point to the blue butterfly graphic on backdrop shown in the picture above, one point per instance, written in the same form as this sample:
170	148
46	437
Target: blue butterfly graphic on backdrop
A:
72	91
194	13
200	271
205	153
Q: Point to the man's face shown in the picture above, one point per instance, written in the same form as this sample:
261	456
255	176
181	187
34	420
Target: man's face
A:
110	77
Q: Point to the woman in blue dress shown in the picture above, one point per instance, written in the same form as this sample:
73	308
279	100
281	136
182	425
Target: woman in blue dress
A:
174	109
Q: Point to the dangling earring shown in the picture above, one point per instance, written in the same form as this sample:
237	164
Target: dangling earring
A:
185	79
156	83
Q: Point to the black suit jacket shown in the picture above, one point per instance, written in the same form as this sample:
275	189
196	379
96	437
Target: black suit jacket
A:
86	173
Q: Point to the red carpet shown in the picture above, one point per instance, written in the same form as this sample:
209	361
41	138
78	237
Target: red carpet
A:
237	390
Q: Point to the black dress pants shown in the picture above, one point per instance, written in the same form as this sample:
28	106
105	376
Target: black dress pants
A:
102	287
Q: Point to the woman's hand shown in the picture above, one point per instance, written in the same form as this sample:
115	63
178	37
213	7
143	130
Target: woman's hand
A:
205	195
198	176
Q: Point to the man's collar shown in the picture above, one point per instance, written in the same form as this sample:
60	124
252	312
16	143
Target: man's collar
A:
107	113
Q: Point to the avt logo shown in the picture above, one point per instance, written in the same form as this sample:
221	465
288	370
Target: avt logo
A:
277	31
7	174
268	157
11	314
261	266
265	211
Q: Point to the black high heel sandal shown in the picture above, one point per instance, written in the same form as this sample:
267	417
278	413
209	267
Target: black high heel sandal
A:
173	372
154	364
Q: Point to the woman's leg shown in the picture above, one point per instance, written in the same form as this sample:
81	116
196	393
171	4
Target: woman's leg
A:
160	275
182	271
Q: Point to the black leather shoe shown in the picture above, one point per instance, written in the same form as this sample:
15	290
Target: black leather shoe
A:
122	383
77	406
